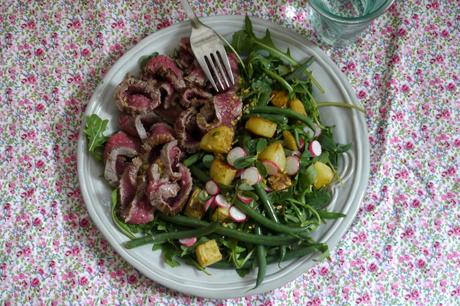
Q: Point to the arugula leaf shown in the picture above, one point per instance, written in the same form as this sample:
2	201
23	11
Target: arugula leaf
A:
306	177
169	253
122	227
94	131
318	199
261	168
261	145
244	162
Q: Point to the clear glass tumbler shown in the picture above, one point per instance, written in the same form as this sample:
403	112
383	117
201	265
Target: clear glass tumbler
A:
338	22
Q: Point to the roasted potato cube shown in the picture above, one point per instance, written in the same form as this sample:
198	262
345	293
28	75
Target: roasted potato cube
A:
324	175
218	140
297	106
194	207
208	253
289	141
220	214
280	98
279	181
274	152
261	126
221	172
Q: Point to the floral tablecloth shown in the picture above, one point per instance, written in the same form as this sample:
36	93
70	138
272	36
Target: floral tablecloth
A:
403	247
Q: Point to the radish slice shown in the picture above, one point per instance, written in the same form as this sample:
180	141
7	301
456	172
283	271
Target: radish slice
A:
236	214
212	188
234	154
244	199
272	167
301	144
208	203
188	242
315	148
251	176
317	130
292	165
221	201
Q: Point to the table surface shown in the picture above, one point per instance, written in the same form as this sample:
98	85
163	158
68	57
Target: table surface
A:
403	247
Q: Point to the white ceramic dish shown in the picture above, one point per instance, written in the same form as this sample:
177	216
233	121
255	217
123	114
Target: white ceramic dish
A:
350	128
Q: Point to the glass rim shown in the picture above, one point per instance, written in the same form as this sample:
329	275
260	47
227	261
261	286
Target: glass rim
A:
350	20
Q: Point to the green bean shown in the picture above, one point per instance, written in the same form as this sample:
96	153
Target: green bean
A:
283	111
192	159
275	240
261	255
280	80
341	104
159	238
276	227
199	174
269	210
300	252
282	120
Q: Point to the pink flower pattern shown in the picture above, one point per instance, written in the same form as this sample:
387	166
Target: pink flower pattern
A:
401	249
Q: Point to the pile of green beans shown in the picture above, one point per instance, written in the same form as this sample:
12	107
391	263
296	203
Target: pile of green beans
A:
274	240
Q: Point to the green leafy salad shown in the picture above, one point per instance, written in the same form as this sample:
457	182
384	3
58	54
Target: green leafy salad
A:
260	184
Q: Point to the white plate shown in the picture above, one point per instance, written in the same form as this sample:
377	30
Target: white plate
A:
350	128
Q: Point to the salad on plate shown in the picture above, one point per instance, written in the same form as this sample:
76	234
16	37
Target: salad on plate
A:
233	180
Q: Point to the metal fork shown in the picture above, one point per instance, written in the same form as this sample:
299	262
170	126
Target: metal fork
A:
209	51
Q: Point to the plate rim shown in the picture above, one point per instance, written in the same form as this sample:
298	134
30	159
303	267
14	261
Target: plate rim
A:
138	265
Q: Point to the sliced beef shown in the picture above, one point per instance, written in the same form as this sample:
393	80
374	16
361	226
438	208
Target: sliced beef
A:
139	211
170	196
135	96
162	67
137	126
160	133
187	130
128	182
144	122
117	150
228	107
167	94
185	58
126	124
206	119
170	157
171	113
195	96
196	76
234	66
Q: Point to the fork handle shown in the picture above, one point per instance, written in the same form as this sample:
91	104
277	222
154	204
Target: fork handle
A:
191	15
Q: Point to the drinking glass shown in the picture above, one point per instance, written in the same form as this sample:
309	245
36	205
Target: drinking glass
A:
338	22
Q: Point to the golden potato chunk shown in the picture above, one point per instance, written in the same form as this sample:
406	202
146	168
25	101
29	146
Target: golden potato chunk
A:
221	172
274	152
297	106
220	214
289	141
218	140
261	126
324	175
208	253
194	207
280	98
